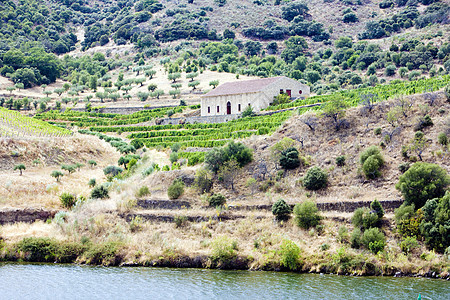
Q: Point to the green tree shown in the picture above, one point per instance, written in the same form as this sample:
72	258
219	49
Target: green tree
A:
152	87
214	83
191	76
423	181
20	167
335	110
290	255
228	172
194	84
56	174
174	76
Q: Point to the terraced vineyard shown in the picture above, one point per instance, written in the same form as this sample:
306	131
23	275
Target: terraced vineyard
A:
13	124
383	92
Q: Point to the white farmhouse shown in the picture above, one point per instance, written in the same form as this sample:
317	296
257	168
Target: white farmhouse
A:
233	97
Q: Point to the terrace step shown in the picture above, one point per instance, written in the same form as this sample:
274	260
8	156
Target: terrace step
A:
163	204
388	206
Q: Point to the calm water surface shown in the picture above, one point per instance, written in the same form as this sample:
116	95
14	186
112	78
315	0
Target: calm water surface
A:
43	281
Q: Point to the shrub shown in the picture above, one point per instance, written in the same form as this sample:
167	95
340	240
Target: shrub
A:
289	158
38	249
364	218
447	91
248	112
216	200
100	192
377	131
373	239
435	225
404	212
180	221
421	182
281	210
136	224
306	214
340	160
377	208
112	171
176	189
442	139
290	255
223	249
409	244
343	234
92	182
403	167
67	200
315	179
355	238
143	191
371	161
202	181
423	122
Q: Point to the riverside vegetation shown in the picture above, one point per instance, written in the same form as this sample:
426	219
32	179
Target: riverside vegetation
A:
244	194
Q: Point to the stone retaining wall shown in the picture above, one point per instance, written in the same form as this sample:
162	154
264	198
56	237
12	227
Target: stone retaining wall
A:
163	204
388	206
15	215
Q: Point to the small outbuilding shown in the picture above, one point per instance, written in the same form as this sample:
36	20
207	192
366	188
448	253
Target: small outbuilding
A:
233	97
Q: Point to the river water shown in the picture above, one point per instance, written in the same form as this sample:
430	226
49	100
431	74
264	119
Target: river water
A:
46	281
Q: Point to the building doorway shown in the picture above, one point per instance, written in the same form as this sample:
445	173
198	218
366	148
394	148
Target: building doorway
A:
289	93
228	108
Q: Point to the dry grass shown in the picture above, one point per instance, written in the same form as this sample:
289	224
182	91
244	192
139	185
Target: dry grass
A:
36	188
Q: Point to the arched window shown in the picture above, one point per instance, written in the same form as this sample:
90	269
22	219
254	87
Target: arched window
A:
228	108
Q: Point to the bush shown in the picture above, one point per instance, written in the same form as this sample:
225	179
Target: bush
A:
371	161
112	171
403	167
216	200
447	91
290	255
409	244
343	234
315	179
364	218
223	249
100	192
306	214
281	210
355	238
435	224
289	158
180	221
442	139
340	161
143	191
377	131
377	208
423	122
421	182
67	200
38	249
176	189
92	182
373	239
248	112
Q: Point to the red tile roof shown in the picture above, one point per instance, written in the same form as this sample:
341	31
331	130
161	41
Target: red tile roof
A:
241	87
